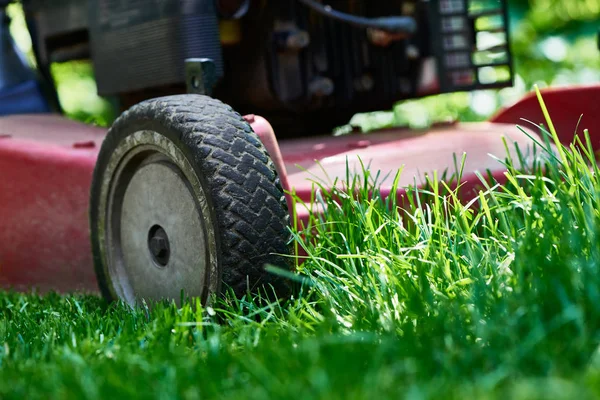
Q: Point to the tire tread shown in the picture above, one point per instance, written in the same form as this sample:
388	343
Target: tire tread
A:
229	153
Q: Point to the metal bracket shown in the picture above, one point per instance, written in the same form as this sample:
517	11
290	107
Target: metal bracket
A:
200	75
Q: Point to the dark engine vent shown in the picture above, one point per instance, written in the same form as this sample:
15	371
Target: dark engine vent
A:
460	45
143	44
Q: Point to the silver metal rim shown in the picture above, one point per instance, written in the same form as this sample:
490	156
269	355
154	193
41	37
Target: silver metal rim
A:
157	233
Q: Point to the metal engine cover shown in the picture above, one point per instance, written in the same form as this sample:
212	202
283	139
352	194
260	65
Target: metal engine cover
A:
141	44
460	45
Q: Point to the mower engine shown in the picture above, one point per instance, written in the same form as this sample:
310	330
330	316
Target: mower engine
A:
294	61
342	66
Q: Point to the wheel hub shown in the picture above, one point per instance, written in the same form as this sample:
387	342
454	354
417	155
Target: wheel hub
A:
159	240
158	199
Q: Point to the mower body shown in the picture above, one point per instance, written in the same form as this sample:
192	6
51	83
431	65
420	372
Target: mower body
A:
304	72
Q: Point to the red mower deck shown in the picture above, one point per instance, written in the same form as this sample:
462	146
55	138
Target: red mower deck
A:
46	165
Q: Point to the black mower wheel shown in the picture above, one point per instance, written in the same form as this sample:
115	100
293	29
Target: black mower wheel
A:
185	197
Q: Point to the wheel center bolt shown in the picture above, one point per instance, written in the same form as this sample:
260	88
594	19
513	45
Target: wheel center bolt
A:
158	244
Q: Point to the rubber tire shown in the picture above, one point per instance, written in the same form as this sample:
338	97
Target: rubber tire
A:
239	177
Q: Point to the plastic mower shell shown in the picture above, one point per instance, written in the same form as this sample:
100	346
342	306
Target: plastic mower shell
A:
47	163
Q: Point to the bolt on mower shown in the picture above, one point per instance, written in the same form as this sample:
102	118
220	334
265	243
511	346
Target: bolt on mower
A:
189	189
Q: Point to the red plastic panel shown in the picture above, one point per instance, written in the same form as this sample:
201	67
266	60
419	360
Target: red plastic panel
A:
324	159
46	165
570	108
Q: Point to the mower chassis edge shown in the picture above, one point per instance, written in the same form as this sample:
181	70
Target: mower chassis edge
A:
47	162
572	109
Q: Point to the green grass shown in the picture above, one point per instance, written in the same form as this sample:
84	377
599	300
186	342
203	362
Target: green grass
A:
499	298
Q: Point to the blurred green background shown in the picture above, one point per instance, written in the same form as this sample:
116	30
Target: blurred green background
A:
554	43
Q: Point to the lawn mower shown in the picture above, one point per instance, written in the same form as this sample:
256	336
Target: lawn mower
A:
189	189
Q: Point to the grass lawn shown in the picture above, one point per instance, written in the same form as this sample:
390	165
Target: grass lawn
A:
496	299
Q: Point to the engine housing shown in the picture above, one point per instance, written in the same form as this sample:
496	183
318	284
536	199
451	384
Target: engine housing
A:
279	57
